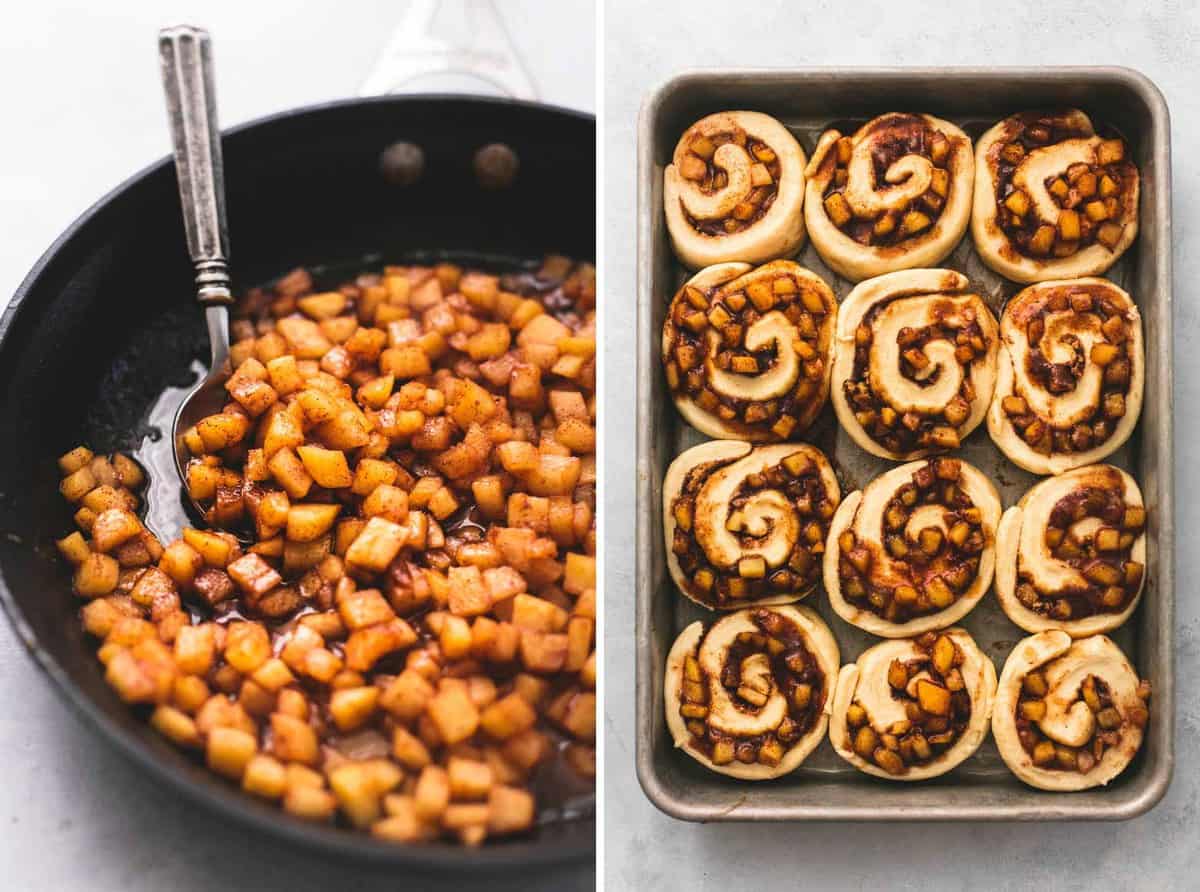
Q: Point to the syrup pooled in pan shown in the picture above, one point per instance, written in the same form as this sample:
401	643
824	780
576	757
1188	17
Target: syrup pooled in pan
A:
165	512
561	780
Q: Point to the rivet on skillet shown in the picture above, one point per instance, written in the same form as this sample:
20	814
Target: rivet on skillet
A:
496	166
402	163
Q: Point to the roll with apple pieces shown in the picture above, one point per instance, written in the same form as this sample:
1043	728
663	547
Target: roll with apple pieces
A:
1070	714
746	525
914	550
915	363
749	696
1053	200
896	194
747	351
913	708
734	191
1071	374
1071	555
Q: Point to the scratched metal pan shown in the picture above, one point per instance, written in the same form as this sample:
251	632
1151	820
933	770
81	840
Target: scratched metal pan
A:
824	787
107	319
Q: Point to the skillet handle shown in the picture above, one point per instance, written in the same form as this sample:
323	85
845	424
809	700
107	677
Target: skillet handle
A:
185	53
485	51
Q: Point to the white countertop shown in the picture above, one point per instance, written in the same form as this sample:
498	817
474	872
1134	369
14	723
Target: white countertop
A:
83	110
647	43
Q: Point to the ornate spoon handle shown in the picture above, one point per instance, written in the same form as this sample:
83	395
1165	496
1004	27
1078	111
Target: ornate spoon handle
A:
186	58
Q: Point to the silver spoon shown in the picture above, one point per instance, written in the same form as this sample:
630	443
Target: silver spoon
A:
186	58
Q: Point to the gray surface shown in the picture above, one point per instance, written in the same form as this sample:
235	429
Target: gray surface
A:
825	786
83	110
645	849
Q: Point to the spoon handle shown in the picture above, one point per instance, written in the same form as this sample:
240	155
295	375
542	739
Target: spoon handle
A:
186	56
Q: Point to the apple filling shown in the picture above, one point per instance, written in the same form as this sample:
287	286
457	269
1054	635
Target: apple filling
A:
933	537
932	692
1079	352
1072	733
700	165
1093	531
902	158
953	334
753	352
770	683
751	529
1060	189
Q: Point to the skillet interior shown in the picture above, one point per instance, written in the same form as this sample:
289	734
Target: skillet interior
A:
107	318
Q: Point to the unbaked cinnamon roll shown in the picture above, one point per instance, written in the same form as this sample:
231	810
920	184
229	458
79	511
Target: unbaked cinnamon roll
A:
1069	384
895	195
914	550
747	525
750	696
1052	199
914	363
735	190
1071	554
912	709
747	352
1069	714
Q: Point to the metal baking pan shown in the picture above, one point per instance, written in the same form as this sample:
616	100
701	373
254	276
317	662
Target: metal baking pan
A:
826	788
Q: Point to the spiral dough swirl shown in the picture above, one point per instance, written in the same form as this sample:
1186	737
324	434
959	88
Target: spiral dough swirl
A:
1069	714
735	190
1052	199
1069	384
914	550
748	352
915	363
895	195
750	696
913	708
747	525
1071	554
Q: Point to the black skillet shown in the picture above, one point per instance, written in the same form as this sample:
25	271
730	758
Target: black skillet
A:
107	318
